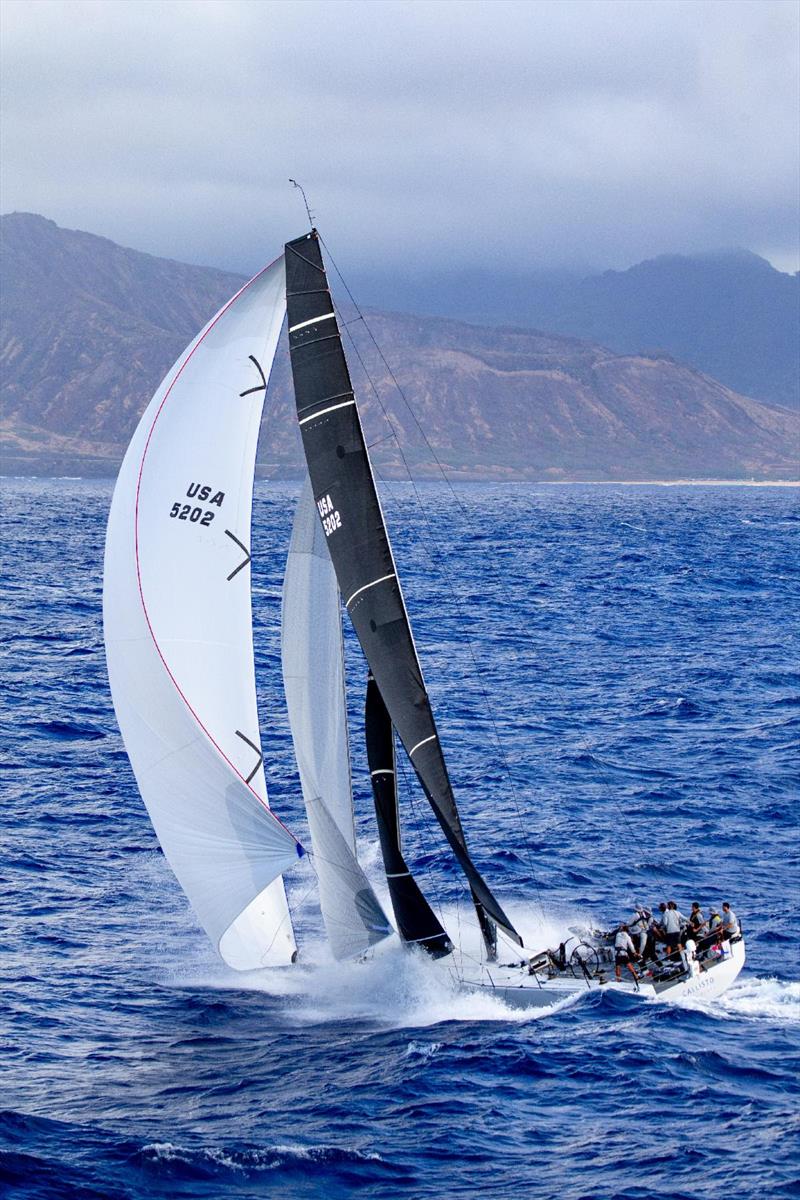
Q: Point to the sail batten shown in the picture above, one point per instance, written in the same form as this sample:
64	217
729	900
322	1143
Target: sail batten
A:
350	511
178	628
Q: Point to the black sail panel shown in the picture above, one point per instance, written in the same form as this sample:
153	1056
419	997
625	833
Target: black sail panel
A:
347	499
416	921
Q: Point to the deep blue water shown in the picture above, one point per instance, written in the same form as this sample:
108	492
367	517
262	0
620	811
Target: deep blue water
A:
638	649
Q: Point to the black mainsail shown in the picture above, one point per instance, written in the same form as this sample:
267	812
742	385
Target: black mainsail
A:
416	921
347	501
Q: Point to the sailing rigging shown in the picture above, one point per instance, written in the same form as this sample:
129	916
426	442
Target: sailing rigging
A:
179	644
347	499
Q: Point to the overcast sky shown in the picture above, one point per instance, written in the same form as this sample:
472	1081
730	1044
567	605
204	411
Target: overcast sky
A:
454	133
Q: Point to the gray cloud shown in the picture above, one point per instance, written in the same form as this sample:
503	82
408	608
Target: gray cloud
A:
456	133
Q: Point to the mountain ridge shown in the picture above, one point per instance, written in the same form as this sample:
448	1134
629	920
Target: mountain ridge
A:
728	313
89	328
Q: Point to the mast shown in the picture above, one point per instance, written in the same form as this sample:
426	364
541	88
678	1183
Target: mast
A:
348	505
416	921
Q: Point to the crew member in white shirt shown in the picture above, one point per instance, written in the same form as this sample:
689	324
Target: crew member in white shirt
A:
624	953
730	922
672	921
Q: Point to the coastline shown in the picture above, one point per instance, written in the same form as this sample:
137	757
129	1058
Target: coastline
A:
677	482
453	480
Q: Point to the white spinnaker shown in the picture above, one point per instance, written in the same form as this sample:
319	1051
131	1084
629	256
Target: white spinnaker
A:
178	628
313	677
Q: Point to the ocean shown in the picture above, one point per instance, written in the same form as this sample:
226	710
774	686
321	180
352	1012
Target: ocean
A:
615	676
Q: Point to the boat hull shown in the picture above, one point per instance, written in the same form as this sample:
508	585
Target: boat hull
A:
517	989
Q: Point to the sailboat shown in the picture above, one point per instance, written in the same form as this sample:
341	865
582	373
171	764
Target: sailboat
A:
179	646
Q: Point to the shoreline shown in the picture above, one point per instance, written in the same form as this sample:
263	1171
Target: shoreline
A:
677	482
454	481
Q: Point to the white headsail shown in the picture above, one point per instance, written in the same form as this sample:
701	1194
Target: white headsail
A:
178	628
313	676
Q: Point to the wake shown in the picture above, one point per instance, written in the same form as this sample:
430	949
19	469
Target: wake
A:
765	998
395	988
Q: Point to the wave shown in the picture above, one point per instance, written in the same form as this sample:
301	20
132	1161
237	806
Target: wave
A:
212	1162
655	760
759	998
66	731
65	1159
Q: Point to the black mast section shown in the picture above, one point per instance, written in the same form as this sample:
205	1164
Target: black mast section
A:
416	921
348	504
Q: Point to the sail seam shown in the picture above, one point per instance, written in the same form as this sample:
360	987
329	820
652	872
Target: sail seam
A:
424	742
367	586
159	652
344	404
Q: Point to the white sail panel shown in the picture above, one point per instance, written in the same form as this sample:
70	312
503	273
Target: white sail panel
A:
178	628
313	676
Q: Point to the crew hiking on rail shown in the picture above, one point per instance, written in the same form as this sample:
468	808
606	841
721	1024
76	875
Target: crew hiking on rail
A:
669	931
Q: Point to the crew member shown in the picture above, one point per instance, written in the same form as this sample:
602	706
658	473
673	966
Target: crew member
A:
714	930
672	921
697	922
624	953
639	927
730	922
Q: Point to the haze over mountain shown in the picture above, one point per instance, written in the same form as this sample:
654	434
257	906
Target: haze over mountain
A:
729	313
89	328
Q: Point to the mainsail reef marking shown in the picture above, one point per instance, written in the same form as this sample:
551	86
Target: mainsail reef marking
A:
241	565
260	387
312	321
366	586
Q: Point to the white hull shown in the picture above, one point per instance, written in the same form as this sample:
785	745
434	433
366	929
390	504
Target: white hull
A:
516	988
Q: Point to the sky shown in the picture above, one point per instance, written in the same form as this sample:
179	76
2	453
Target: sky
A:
430	135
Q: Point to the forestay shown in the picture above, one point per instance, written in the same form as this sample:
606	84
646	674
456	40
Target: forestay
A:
178	628
313	676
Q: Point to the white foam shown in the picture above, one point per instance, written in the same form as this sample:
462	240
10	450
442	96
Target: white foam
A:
775	999
394	987
270	1158
765	998
423	1050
